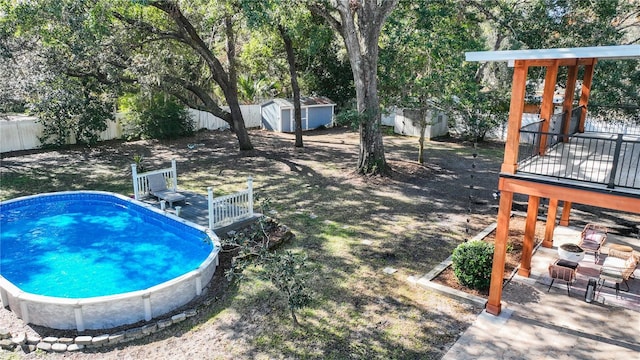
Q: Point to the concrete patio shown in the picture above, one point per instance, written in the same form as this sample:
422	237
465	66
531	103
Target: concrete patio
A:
536	324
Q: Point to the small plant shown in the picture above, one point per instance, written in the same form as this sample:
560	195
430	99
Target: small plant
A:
138	159
472	263
285	270
510	247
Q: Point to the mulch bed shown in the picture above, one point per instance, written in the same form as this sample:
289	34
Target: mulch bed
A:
514	254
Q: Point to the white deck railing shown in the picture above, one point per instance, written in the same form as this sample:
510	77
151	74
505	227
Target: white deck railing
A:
227	209
141	182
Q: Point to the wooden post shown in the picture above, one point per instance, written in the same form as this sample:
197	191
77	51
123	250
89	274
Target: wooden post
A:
586	91
174	175
551	223
499	253
529	236
134	175
210	207
567	105
546	109
250	194
510	163
566	210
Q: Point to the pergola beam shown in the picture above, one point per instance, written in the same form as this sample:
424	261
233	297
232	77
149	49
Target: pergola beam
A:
603	200
567	105
584	96
546	109
518	88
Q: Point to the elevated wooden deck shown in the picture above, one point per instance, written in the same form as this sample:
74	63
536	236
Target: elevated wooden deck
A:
589	160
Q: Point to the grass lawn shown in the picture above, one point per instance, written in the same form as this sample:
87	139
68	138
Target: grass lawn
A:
351	227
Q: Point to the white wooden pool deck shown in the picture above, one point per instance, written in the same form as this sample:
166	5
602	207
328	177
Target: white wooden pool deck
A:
195	209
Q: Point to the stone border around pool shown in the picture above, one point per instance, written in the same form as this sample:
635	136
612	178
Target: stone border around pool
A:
29	343
425	280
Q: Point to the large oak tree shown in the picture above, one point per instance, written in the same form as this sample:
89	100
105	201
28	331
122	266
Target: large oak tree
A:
360	22
184	48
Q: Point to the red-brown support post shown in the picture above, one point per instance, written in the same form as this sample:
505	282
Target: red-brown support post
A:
586	91
510	163
566	210
551	223
546	108
499	254
567	105
529	236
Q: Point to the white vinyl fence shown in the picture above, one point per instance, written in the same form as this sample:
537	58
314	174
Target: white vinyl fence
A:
22	132
227	209
205	120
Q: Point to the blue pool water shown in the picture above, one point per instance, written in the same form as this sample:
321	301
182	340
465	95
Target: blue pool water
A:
85	245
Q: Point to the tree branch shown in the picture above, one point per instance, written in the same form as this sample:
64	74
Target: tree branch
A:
481	7
148	27
208	103
325	13
384	10
191	38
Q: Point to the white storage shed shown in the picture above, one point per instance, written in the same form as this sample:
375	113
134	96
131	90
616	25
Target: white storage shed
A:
407	122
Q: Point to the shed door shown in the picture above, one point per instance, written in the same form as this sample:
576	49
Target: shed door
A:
305	118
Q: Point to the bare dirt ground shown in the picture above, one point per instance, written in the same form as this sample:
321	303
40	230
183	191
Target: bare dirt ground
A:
351	227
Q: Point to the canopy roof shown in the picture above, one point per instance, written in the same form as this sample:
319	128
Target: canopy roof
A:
599	52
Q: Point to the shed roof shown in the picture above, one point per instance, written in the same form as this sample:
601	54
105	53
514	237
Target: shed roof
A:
304	101
599	52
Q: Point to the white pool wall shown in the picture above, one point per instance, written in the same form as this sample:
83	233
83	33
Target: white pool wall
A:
105	312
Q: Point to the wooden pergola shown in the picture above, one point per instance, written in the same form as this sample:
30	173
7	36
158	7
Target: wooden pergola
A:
535	186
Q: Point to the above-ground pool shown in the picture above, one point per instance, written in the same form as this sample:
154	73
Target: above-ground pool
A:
97	260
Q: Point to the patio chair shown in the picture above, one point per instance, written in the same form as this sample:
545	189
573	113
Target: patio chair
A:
563	270
618	267
158	188
592	238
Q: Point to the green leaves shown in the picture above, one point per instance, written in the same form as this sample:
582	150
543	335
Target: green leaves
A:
472	262
72	109
422	55
157	117
287	271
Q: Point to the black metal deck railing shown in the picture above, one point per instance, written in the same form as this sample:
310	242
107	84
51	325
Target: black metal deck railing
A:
609	159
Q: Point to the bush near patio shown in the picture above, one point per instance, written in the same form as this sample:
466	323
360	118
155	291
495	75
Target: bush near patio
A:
472	264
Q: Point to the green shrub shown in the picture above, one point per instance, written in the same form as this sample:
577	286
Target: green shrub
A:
68	108
350	118
157	117
472	264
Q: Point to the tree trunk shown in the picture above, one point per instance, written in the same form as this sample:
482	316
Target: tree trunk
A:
297	112
360	25
237	124
294	317
423	128
231	92
227	80
371	159
364	65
